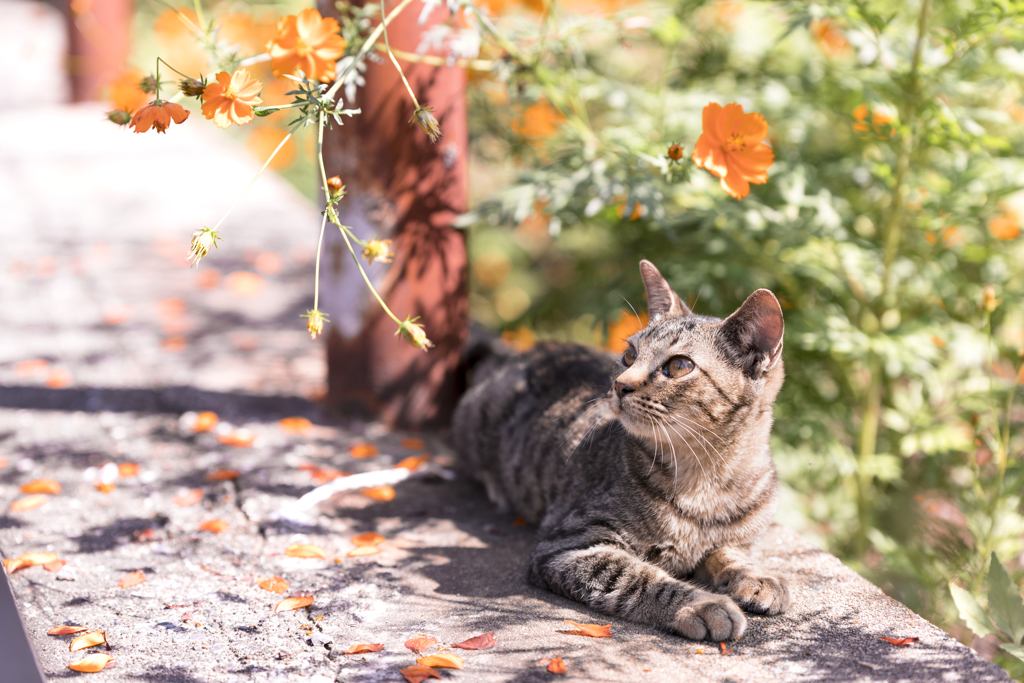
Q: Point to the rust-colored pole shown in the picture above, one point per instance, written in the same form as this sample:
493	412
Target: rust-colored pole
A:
99	32
404	188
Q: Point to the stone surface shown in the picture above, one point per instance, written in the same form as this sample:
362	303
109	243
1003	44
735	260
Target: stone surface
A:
96	226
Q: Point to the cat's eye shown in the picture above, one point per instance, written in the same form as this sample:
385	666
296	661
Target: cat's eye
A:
629	357
678	366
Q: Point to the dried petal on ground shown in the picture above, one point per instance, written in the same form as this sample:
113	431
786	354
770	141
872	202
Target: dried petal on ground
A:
55	566
44	485
188	499
483	642
65	630
362	551
32	559
413	444
90	639
13	564
240	438
293	603
557	666
443	660
418	673
91	664
414	462
295	425
363	450
899	642
133	579
381	494
368	538
360	648
205	421
723	649
420	643
222	475
214	525
592	630
322	475
29	502
275	584
104	487
305	550
128	470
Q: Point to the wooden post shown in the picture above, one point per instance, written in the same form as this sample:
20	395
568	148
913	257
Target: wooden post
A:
404	188
98	51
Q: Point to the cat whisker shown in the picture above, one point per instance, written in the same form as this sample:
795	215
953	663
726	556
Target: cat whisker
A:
692	452
675	459
703	440
639	321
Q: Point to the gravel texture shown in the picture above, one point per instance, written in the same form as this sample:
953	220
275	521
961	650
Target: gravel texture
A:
109	348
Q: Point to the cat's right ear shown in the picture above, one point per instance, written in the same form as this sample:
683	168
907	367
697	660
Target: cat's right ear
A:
662	301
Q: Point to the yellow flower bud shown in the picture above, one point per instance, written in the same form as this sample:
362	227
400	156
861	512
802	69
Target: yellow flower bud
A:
425	120
315	322
379	250
414	334
988	298
202	240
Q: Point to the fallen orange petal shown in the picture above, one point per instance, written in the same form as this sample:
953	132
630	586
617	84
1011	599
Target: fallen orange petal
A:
32	559
29	502
128	470
31	368
322	476
90	639
420	644
592	630
58	378
188	499
297	602
295	425
242	438
91	664
65	630
418	673
305	550
222	475
275	584
362	550
444	660
55	566
379	493
482	642
414	462
205	421
244	283
360	648
413	444
103	487
519	521
41	486
13	564
369	538
724	650
133	579
363	450
557	666
214	525
899	642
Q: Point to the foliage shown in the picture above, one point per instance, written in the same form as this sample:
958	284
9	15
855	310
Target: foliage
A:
1005	617
889	210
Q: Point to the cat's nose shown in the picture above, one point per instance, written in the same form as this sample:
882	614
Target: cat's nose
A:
621	388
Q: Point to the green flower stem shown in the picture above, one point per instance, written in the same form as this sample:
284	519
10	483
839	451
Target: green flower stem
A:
199	12
485	65
316	274
257	176
866	450
370	40
345	230
387	47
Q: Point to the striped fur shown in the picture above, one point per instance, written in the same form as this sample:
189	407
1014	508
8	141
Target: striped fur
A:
646	495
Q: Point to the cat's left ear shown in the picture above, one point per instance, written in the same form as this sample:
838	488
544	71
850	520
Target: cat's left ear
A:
662	301
754	331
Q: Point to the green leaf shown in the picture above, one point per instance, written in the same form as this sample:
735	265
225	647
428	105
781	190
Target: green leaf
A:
1015	650
1004	602
970	611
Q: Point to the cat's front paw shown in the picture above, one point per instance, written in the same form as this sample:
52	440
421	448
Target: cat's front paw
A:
711	617
760	593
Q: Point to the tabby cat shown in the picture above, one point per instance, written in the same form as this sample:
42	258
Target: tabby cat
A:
649	493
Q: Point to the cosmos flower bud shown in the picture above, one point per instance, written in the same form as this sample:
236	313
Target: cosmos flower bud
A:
148	85
202	240
425	120
988	298
192	87
315	322
335	187
675	152
119	116
379	250
414	334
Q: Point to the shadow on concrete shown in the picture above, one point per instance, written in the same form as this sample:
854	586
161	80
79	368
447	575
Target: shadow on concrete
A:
120	532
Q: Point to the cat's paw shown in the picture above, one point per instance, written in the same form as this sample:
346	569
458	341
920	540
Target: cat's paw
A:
711	617
760	593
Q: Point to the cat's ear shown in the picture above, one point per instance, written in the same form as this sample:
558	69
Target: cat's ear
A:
754	333
662	302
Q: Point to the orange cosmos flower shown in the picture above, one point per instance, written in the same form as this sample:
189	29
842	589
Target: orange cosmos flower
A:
307	42
158	114
1005	226
731	148
830	38
231	98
